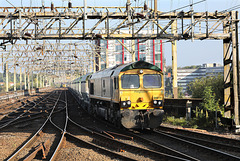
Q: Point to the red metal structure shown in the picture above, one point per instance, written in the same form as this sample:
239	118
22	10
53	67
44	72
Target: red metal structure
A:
153	52
122	52
161	55
138	49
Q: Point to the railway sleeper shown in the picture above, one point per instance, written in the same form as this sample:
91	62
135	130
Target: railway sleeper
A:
106	144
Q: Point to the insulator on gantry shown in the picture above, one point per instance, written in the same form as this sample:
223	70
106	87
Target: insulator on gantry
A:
69	4
145	7
52	6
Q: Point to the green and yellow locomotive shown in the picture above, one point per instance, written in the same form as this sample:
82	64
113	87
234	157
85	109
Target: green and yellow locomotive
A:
131	95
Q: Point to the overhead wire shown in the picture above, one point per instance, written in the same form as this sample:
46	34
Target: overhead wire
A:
185	6
11	3
230	9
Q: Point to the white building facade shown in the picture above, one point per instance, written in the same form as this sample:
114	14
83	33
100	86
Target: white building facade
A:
117	53
185	76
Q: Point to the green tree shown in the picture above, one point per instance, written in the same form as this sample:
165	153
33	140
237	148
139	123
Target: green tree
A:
209	100
196	88
169	69
180	92
191	67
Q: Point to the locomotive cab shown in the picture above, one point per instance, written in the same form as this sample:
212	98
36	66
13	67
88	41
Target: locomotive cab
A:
141	95
128	94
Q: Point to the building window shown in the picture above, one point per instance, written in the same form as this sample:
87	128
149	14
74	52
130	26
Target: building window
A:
103	56
158	64
142	57
142	47
136	57
151	46
118	48
157	47
118	57
103	43
103	66
136	47
157	57
125	57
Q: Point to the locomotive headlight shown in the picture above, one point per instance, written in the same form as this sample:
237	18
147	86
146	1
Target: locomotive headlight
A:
141	71
157	103
126	103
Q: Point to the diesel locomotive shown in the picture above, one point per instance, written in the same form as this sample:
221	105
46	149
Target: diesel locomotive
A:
129	95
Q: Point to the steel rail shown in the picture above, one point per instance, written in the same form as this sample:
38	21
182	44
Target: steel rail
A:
92	146
163	148
37	117
128	146
11	121
54	155
27	116
201	135
99	148
12	156
213	151
19	108
7	113
209	143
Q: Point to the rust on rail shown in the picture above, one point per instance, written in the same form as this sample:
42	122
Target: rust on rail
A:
108	134
125	136
44	147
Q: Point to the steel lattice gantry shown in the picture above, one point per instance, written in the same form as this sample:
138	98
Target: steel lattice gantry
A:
72	23
82	23
51	58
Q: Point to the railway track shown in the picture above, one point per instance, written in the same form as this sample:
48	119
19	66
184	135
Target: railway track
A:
67	128
215	154
213	141
41	140
157	150
119	146
50	137
10	106
208	148
29	110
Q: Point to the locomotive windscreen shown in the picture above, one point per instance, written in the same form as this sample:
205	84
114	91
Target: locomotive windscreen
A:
152	81
130	81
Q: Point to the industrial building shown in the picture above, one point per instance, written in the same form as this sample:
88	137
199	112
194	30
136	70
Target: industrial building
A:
185	76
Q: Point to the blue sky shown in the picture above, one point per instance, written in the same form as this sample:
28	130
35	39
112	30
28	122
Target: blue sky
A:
189	53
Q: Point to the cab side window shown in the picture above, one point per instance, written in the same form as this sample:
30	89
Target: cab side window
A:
103	83
115	83
91	88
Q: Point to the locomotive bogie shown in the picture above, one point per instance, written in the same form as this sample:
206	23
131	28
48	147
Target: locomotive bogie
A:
136	119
